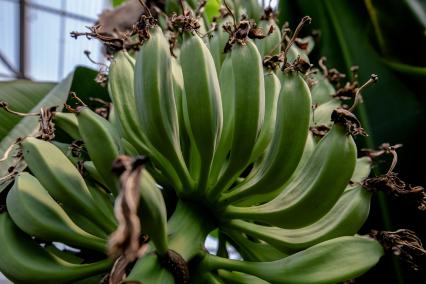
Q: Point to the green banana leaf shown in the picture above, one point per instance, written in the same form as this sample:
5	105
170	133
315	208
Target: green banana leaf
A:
116	3
399	42
26	96
212	9
22	96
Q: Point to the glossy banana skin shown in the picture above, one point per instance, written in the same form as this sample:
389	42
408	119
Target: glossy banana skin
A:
217	45
249	108
36	213
202	102
344	219
156	107
68	123
102	142
121	91
63	181
290	134
239	278
152	210
272	93
330	168
227	88
271	44
253	250
25	261
322	263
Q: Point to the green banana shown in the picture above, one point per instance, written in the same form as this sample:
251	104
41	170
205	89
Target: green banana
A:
330	168
156	107
178	90
344	219
89	166
208	278
36	213
286	149
121	91
114	120
104	200
67	151
88	225
321	115
253	250
68	123
362	170
217	44
331	261
233	277
152	211
203	102
260	197
62	180
228	101
322	91
271	44
272	92
64	254
293	53
129	149
249	108
102	142
252	8
25	261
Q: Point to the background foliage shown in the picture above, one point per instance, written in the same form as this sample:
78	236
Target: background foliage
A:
387	38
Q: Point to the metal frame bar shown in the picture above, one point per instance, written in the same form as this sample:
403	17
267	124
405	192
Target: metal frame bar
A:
9	65
23	39
54	11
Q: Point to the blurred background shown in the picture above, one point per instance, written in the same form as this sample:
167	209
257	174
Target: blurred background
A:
385	37
35	38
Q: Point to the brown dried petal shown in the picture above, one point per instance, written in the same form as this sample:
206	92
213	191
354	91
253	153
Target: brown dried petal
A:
46	128
126	239
349	120
390	183
319	130
256	33
403	243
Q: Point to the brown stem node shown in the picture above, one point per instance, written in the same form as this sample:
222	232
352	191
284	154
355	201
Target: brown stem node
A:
176	265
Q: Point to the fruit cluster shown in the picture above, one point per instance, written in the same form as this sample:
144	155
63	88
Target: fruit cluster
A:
228	146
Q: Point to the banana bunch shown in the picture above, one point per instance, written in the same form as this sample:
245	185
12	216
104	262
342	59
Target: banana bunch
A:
229	137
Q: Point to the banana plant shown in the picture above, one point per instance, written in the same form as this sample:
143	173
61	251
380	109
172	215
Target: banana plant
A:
205	134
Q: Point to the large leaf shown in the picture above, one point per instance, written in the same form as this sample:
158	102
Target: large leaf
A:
404	42
22	96
29	125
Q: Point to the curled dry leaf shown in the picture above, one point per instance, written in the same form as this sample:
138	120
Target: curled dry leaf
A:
403	243
126	239
390	183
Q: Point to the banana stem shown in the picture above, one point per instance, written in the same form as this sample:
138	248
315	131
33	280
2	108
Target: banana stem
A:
212	262
188	228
